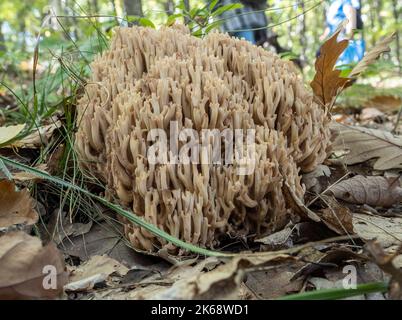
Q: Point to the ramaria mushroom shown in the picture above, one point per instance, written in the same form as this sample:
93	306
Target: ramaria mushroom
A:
153	77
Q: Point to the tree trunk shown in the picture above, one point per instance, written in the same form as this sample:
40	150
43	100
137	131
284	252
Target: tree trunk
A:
169	7
2	40
95	6
187	8
396	13
303	39
133	8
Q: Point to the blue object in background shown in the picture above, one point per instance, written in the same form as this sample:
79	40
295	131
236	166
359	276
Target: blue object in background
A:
335	16
247	35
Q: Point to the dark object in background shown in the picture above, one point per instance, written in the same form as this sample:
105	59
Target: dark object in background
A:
251	23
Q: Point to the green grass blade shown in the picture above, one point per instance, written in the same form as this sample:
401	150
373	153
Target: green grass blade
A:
125	213
338	293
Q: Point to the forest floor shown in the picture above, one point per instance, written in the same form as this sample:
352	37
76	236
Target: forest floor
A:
354	238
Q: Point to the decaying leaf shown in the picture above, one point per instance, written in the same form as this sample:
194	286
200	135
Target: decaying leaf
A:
364	144
274	281
385	262
39	136
98	241
28	270
327	82
381	47
384	103
376	191
60	227
371	114
336	216
278	240
10	132
298	205
386	231
334	257
23	176
16	206
222	282
97	269
313	180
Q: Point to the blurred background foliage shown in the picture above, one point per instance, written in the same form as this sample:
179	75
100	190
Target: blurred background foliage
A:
57	39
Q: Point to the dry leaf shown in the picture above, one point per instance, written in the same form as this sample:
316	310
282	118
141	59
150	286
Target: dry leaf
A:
385	262
16	206
60	227
297	204
364	144
371	56
96	270
278	240
387	231
336	217
334	257
275	281
10	132
23	176
314	179
222	282
376	191
327	83
28	270
370	114
38	137
384	103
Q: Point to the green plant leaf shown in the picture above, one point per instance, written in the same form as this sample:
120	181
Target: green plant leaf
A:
213	4
172	18
336	293
225	8
145	22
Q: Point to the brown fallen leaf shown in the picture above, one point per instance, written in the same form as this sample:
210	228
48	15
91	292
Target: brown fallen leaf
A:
364	144
97	269
384	103
334	257
386	231
274	281
372	55
16	206
298	205
38	137
60	227
22	176
371	114
222	282
375	191
327	83
28	270
316	180
385	262
9	133
336	217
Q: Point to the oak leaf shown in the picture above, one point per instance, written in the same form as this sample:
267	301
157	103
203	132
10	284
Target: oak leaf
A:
28	270
372	55
327	82
376	191
9	133
16	206
365	144
336	217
